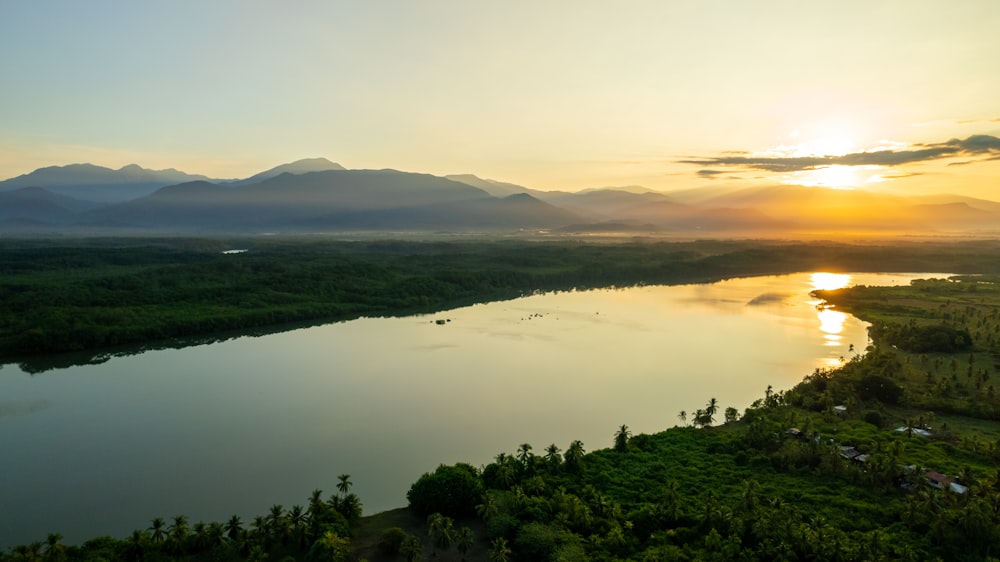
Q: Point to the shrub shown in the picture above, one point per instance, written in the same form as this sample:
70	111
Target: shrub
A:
875	418
450	490
392	540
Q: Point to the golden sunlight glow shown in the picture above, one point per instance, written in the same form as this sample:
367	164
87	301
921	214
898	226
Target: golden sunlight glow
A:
831	323
822	281
836	176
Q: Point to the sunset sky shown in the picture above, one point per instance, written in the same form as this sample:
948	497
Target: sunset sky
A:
897	95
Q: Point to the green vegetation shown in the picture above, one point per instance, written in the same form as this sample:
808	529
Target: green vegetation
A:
321	531
895	455
83	299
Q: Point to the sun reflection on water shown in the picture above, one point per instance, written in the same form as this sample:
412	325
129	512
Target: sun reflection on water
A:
822	281
831	322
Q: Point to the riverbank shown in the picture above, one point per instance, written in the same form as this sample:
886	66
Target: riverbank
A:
74	302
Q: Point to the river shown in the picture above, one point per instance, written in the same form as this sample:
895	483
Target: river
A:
236	426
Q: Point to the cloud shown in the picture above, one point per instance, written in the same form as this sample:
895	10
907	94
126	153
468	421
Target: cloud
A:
969	121
975	145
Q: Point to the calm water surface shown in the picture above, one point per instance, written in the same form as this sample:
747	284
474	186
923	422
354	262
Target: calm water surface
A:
234	427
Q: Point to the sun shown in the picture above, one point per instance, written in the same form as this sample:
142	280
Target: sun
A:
836	176
827	140
822	281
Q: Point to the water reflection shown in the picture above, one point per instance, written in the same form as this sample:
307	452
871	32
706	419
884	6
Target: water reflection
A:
240	425
823	281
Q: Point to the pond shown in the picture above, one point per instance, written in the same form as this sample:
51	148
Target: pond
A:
237	426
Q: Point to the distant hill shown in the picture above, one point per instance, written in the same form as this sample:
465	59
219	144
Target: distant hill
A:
316	194
304	166
605	204
97	183
497	188
338	199
34	205
637	189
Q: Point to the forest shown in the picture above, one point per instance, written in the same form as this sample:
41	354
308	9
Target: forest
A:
893	455
78	301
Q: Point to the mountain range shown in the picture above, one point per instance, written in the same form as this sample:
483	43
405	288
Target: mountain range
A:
317	195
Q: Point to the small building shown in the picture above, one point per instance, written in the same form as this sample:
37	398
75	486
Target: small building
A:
849	453
941	482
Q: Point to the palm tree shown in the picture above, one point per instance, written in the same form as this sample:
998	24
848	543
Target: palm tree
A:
465	540
178	534
157	529
711	408
683	416
350	507
501	551
552	457
54	549
489	508
258	529
411	548
234	528
524	455
439	528
276	522
621	438
574	456
136	545
200	536
671	500
257	554
345	483
297	521
214	534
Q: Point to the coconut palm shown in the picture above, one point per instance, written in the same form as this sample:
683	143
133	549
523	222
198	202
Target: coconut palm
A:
297	521
135	546
524	455
54	549
234	528
411	549
683	417
439	528
501	551
177	535
351	508
574	456
157	527
489	508
621	438
711	408
552	457
464	541
276	522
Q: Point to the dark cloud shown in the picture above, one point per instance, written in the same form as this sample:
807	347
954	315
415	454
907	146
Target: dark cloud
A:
976	145
710	173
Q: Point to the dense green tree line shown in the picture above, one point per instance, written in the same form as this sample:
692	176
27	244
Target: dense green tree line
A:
319	531
91	296
836	468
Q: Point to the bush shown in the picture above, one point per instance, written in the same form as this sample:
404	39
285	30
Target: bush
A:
450	490
880	388
391	540
875	418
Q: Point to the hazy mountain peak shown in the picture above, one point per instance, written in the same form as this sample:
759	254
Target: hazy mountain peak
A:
637	189
303	166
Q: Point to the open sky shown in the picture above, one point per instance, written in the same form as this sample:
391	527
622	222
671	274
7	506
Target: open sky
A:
898	95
